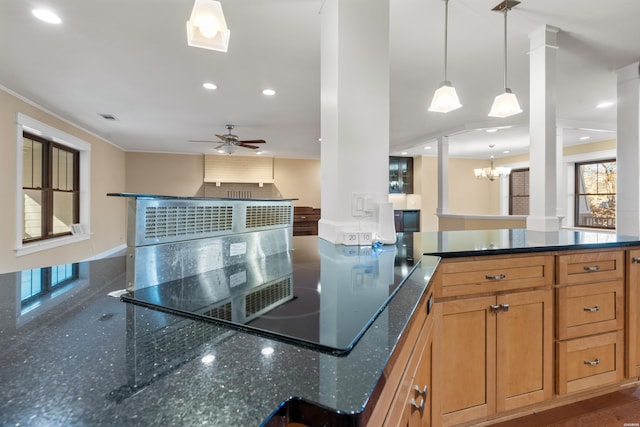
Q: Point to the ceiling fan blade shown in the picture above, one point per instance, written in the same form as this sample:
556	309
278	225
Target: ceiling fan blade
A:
254	141
242	144
219	146
222	137
201	140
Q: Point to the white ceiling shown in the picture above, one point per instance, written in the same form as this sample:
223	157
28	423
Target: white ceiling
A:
129	58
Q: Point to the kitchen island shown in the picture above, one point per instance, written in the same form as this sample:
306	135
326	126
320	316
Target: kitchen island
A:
76	355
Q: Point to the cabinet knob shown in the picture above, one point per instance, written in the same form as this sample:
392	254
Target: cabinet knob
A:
592	267
494	308
504	307
417	405
635	260
592	309
592	362
496	277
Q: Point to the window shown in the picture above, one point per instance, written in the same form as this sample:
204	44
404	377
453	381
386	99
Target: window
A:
595	200
50	186
519	192
41	284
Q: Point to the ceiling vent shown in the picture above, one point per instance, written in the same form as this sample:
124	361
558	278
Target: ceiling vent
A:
109	117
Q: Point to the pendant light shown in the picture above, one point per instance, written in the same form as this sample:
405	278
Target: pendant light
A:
445	98
506	104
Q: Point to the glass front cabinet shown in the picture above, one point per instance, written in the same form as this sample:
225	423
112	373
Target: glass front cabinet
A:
400	175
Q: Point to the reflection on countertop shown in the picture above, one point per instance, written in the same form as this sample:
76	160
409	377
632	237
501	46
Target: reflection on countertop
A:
82	357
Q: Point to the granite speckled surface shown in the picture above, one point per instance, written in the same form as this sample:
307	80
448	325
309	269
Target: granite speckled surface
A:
449	244
80	357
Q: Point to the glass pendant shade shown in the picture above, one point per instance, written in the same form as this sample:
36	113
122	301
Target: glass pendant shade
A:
505	105
445	98
207	27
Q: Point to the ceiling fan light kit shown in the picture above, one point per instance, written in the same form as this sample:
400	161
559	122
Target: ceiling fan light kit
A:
445	98
206	27
230	142
505	104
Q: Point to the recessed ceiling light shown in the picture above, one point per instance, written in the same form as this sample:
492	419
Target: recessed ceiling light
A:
604	104
427	148
584	138
46	16
506	151
269	92
209	86
259	152
491	130
404	153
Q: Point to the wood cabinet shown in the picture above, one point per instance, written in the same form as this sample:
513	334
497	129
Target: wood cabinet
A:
305	220
494	353
404	396
478	275
411	406
633	312
591	317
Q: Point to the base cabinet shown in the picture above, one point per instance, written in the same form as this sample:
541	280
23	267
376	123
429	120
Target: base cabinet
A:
633	312
411	406
493	354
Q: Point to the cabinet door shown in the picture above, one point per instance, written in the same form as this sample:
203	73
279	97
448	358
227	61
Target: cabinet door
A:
524	352
633	312
465	353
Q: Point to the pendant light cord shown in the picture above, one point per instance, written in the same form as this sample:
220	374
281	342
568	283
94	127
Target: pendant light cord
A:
446	25
506	8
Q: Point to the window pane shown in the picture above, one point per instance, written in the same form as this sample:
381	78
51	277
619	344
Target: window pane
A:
60	273
30	283
62	173
596	211
62	211
31	163
598	178
32	214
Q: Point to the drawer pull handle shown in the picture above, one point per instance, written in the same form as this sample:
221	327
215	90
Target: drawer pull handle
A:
494	308
504	307
497	277
592	267
635	260
592	362
592	309
417	405
423	392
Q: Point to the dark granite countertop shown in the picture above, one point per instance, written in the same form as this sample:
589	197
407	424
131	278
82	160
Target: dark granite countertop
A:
72	355
450	244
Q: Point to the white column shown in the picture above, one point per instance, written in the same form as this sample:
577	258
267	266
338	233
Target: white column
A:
443	175
543	154
354	115
628	151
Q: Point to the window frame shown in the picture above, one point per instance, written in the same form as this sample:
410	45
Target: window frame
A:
577	194
511	196
29	125
47	214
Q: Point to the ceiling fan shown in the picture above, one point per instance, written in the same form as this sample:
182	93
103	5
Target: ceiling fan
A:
231	141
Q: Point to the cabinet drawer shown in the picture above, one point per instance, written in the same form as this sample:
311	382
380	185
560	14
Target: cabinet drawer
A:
589	362
590	267
472	276
590	309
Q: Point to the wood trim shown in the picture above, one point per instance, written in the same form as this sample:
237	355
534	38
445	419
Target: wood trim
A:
633	317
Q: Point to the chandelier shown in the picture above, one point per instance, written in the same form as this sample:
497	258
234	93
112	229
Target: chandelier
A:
491	173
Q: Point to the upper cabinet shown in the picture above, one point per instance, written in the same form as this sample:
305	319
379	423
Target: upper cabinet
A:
401	175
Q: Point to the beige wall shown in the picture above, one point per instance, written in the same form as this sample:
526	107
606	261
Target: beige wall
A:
108	214
165	174
469	195
182	175
298	179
